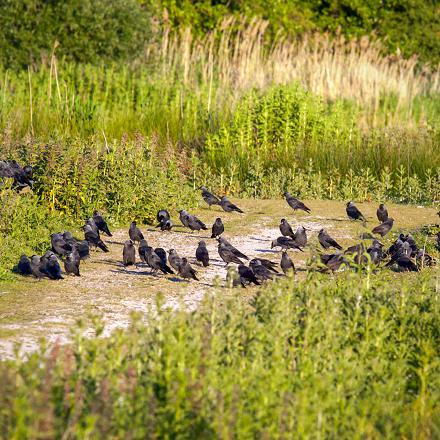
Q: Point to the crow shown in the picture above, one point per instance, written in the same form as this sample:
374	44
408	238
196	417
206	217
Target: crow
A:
174	259
326	241
160	252
333	261
129	253
354	213
155	262
82	246
209	198
295	203
375	252
22	177
93	238
234	250
217	228
227	206
300	236
142	249
71	263
101	224
202	254
59	245
36	268
268	264
412	244
259	270
406	264
438	241
93	225
247	275
285	243
162	214
286	229
186	271
191	221
384	228
423	259
24	266
382	213
286	263
50	265
135	233
165	224
227	255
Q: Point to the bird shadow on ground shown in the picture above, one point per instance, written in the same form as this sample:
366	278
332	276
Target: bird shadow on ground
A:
259	239
268	251
108	262
118	243
177	280
133	272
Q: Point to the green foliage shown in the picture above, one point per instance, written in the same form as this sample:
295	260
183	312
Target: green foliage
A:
345	357
86	30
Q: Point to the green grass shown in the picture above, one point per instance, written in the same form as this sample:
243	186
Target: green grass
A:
352	356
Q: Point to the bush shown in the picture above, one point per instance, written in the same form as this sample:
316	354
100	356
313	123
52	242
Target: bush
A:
85	30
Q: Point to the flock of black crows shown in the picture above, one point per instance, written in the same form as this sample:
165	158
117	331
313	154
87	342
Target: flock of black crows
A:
402	255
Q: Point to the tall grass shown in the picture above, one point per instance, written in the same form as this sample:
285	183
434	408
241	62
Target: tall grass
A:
350	357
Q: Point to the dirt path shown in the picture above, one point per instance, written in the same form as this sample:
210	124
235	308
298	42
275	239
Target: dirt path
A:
30	309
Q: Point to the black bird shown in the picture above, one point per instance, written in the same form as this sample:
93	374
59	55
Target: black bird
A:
233	249
209	198
333	261
354	213
400	249
268	264
217	228
155	262
191	221
382	213
165	224
326	241
71	263
174	259
36	268
233	278
285	243
423	259
82	246
162	214
129	253
286	229
59	245
406	264
227	255
395	247
50	265
413	245
22	177
286	263
438	241
93	225
259	270
202	254
101	224
186	271
135	233
300	236
295	203
24	266
160	252
93	238
375	251
247	275
384	228
228	206
143	250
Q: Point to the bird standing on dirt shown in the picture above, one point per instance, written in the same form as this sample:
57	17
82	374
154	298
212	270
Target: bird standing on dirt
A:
71	263
92	225
155	261
36	269
270	265
217	228
261	272
295	203
59	245
202	254
101	224
82	246
191	221
382	213
333	261
135	233
93	238
227	255
142	250
24	266
186	271
233	249
384	228
22	176
300	236
354	213
174	259
247	275
209	198
165	223
286	263
326	241
285	243
160	252
50	265
129	253
375	252
227	206
286	229
233	278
